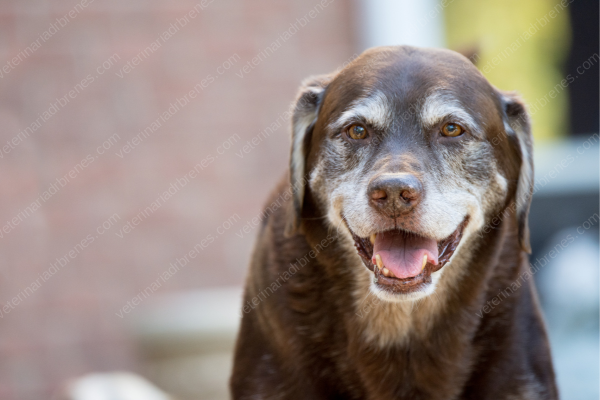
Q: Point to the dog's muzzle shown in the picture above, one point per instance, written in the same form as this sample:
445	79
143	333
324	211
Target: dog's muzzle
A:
403	261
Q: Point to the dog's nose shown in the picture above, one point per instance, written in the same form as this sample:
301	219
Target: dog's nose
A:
395	194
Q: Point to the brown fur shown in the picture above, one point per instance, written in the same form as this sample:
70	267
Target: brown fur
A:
312	328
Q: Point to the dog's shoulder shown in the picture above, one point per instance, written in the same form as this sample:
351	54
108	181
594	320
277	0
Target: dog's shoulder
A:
288	312
282	266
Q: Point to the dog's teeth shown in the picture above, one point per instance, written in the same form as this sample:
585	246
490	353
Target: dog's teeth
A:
372	238
378	260
424	262
386	271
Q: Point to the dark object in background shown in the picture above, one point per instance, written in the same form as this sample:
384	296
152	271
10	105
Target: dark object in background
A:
583	92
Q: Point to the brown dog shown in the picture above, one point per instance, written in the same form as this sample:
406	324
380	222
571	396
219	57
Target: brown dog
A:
404	215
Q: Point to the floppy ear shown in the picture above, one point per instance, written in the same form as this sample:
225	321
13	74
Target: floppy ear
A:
520	128
304	116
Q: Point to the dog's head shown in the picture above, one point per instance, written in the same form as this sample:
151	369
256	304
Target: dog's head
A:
409	151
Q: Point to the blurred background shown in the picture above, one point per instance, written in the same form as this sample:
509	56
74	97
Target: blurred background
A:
129	176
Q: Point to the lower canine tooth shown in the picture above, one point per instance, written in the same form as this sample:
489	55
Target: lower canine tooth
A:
378	261
386	271
372	238
424	262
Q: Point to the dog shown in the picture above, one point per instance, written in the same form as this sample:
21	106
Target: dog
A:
392	260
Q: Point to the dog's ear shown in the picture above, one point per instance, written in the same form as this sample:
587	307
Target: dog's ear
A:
519	127
304	116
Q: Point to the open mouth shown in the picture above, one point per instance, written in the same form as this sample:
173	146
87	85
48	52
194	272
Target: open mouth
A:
403	261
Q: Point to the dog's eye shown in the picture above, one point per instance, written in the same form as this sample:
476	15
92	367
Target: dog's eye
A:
357	132
452	130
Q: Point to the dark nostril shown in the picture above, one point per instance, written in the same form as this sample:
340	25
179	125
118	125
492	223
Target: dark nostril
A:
379	195
409	195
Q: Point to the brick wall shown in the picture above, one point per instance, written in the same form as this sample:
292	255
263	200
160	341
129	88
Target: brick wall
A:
80	160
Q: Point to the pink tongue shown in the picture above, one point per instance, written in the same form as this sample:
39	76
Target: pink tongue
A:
403	254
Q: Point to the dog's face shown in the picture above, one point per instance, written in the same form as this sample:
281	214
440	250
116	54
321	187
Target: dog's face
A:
409	151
